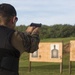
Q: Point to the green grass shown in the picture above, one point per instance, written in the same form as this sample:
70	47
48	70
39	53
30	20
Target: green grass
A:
42	68
58	39
45	68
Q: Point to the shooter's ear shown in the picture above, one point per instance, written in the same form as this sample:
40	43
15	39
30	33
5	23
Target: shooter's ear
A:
12	20
15	19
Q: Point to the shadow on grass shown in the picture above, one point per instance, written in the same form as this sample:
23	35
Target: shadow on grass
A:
52	67
46	67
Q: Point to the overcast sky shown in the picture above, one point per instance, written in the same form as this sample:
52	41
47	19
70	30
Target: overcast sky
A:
47	12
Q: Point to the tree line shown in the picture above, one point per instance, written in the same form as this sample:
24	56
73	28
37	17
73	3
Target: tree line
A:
53	31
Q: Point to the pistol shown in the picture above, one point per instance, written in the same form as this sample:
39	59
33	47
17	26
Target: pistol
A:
36	24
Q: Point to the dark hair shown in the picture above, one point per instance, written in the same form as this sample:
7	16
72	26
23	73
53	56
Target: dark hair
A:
7	10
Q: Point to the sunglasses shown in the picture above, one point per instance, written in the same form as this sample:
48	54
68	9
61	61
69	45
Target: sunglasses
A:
16	19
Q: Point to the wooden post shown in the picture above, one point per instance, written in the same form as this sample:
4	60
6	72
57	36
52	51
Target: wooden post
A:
60	67
61	63
29	66
69	67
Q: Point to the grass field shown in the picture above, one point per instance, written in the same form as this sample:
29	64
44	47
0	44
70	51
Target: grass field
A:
42	68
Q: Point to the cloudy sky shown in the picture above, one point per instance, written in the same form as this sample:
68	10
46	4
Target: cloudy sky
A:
47	12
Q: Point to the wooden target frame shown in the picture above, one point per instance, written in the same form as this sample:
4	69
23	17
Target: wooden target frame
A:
72	54
45	51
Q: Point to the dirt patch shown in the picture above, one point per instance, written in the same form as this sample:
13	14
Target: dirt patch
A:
66	48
